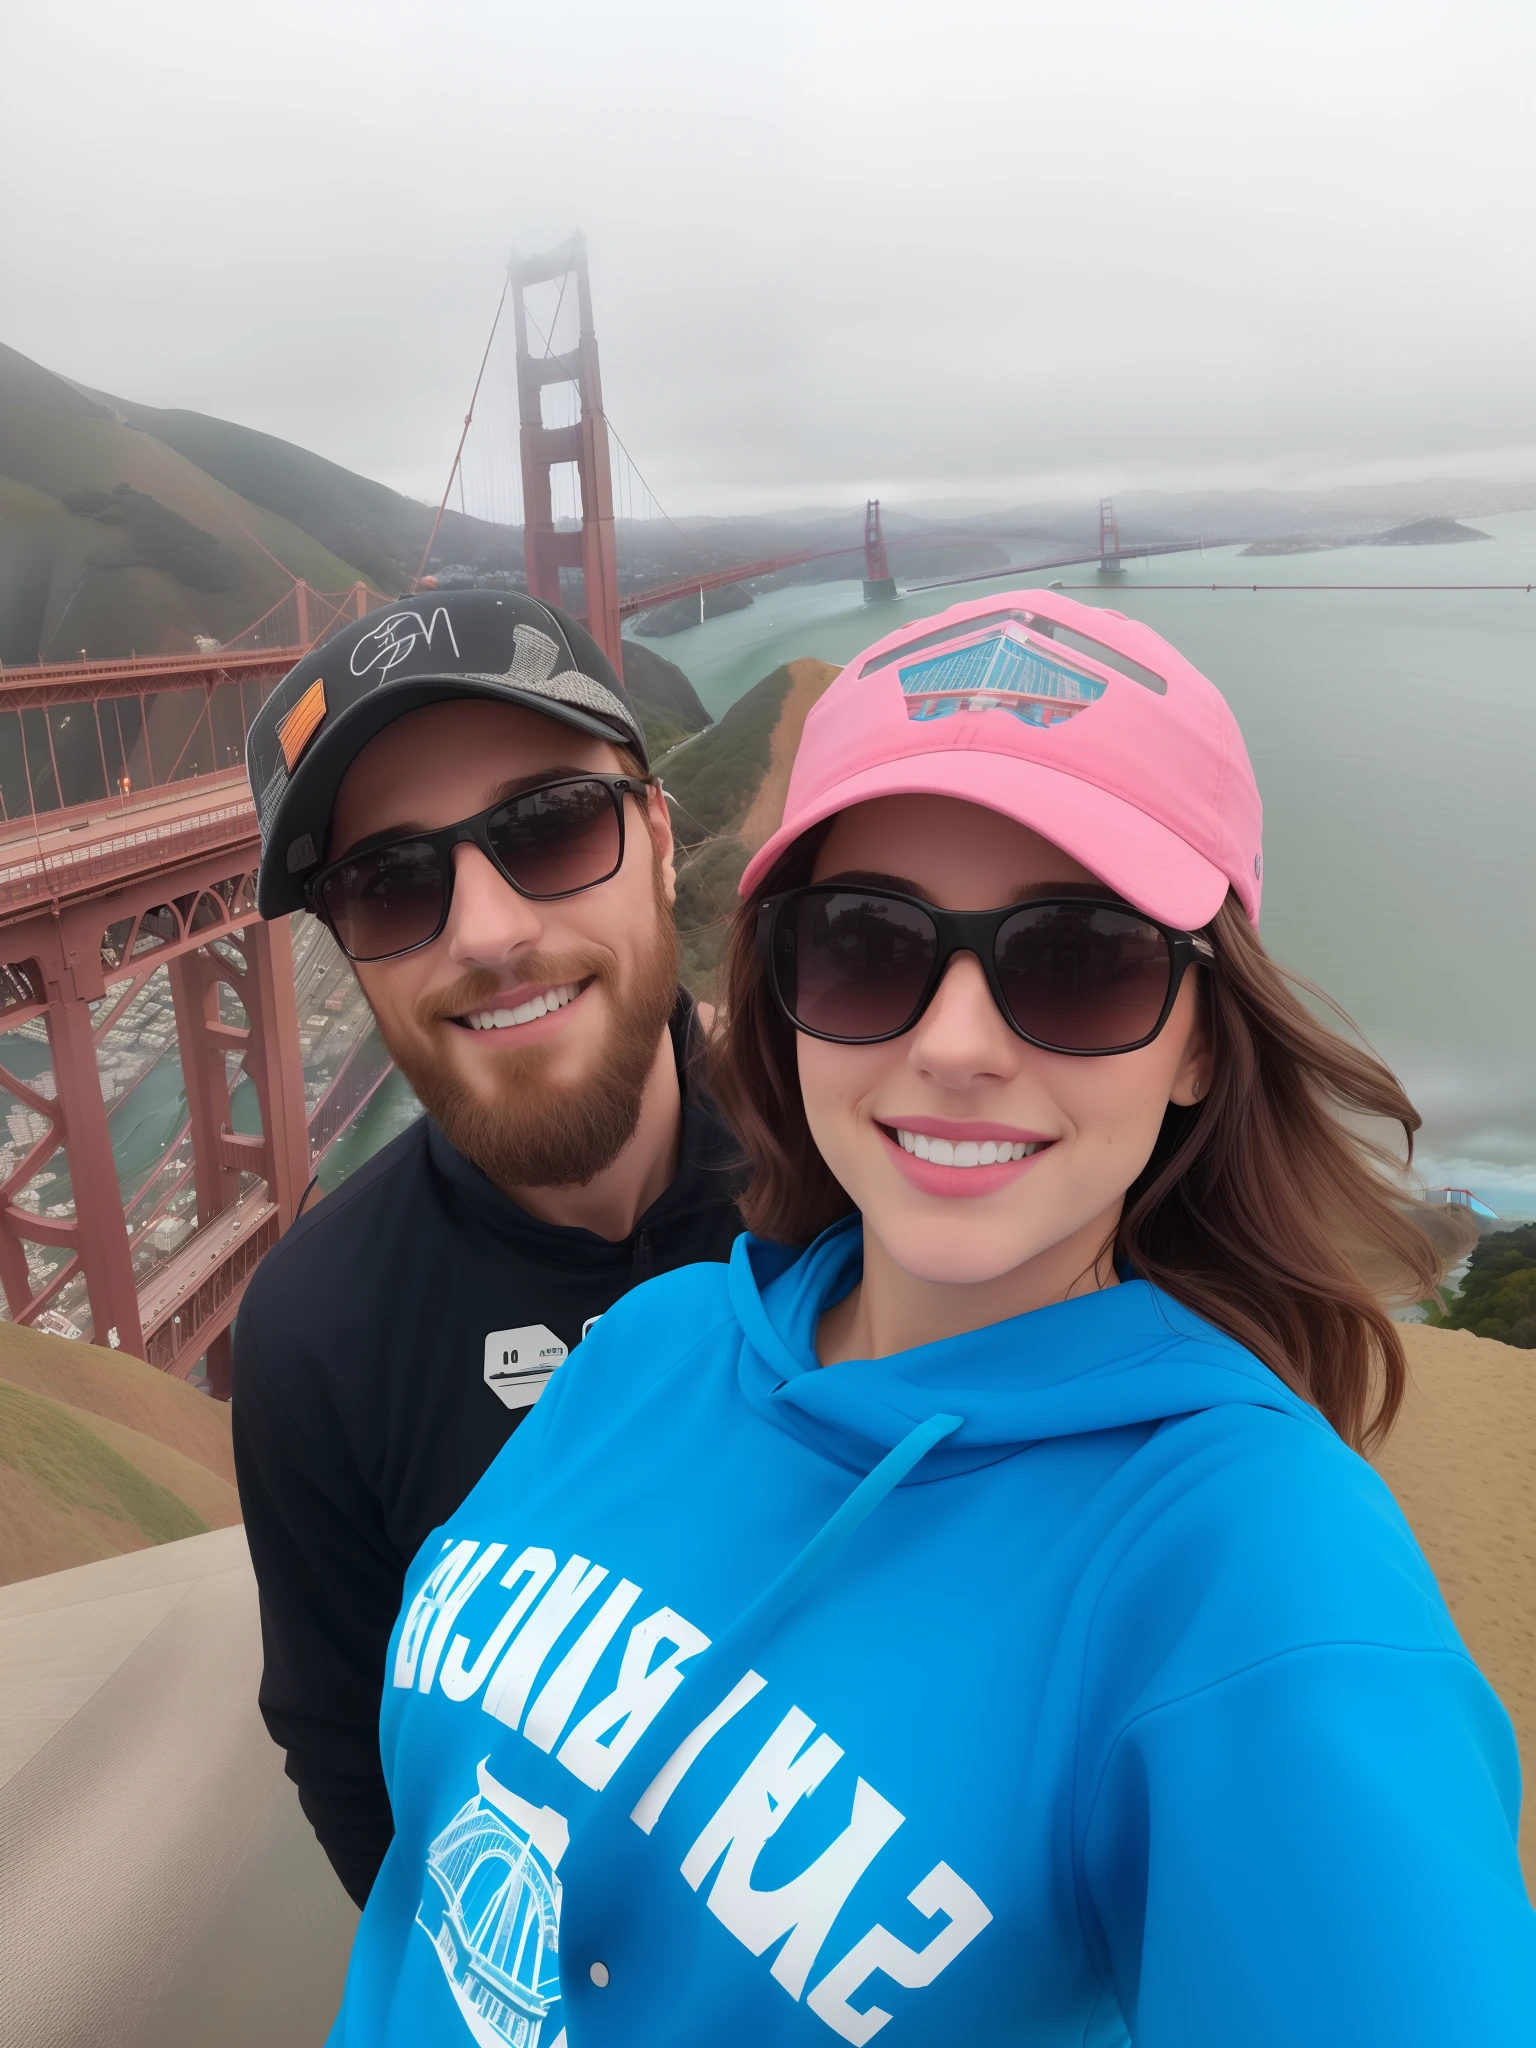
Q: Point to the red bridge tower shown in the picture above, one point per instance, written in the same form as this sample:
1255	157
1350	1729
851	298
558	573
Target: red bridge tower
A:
585	445
1109	535
879	583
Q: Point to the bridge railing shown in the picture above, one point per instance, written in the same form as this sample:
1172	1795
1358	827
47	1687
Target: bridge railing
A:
37	878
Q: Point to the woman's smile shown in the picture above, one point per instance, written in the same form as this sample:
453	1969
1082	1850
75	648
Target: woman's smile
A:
959	1156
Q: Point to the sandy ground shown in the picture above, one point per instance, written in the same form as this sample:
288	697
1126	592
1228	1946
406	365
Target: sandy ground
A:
1462	1463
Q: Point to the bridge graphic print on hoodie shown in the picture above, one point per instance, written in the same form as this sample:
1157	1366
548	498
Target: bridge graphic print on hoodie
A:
1012	1689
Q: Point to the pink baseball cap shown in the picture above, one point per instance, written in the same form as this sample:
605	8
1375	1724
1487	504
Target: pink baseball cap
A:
1079	723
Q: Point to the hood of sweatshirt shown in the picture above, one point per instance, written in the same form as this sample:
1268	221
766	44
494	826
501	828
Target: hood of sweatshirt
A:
1128	1356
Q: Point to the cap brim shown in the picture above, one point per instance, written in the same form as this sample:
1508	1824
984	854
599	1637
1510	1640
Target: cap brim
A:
1135	856
307	801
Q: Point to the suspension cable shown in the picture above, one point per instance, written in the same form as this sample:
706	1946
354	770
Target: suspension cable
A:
666	515
463	437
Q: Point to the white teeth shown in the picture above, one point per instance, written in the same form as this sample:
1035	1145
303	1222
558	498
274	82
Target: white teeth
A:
524	1013
943	1152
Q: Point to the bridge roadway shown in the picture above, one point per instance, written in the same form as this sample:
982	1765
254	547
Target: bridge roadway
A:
65	856
198	1289
1139	552
80	682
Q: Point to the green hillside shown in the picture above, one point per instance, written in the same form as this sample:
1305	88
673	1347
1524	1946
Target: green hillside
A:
100	1453
1498	1296
668	703
726	789
714	778
113	542
711	783
362	521
76	1472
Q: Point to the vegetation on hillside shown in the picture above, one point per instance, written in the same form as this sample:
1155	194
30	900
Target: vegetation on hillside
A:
76	1471
712	780
100	1453
1498	1297
706	897
668	703
112	542
117	1388
710	783
1429	533
157	537
364	522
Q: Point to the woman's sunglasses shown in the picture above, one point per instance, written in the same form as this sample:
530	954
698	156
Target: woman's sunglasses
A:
551	841
1070	974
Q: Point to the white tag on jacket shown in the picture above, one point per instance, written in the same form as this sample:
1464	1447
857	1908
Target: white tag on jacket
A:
518	1363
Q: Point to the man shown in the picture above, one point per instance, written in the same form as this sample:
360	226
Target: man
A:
459	787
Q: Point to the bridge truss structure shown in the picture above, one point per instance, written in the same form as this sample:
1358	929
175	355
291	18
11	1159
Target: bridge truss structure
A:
129	843
116	909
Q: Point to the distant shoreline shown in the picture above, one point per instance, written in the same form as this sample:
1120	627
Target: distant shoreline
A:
1418	533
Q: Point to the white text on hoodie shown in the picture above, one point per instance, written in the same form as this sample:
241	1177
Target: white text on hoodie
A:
790	1764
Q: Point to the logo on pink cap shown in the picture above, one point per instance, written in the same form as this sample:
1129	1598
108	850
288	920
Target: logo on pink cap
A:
999	672
1153	792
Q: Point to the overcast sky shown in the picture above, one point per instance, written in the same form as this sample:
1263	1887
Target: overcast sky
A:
837	247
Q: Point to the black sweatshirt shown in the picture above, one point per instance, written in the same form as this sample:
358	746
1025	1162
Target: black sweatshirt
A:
364	1412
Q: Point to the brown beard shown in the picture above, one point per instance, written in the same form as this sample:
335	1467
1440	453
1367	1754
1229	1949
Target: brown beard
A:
535	1134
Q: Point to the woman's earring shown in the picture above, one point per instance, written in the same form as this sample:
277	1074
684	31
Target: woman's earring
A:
1196	1090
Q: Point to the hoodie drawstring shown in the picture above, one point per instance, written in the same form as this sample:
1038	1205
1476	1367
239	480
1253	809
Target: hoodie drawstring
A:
839	1526
765	1610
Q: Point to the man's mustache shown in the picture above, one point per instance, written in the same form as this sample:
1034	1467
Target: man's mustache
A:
478	989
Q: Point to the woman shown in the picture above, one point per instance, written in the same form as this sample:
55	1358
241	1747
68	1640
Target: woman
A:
967	1617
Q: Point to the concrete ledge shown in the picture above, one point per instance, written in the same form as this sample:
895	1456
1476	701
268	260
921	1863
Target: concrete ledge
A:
143	1809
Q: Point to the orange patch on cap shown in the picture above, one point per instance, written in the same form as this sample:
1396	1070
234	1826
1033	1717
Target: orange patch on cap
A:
301	724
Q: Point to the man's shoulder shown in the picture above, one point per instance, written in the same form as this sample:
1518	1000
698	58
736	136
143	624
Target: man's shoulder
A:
344	1227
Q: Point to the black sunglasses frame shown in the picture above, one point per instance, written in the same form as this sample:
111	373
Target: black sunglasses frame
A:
475	831
975	932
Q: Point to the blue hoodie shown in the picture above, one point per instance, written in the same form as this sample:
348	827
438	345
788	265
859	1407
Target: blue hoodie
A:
1065	1682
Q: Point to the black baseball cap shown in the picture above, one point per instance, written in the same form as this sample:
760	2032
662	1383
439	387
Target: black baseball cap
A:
421	650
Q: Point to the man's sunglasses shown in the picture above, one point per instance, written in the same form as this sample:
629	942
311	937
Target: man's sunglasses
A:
550	841
1070	974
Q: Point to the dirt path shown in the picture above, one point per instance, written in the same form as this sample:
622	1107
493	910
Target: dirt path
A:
808	679
1462	1463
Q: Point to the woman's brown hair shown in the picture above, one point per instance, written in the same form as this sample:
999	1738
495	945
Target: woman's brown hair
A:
1265	1208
